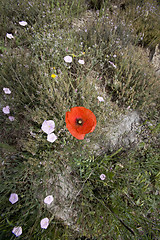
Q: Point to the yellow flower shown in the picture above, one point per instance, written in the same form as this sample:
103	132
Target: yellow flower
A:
54	68
83	53
53	75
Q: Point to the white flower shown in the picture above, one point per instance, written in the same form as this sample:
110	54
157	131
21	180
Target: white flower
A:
48	126
7	90
51	137
44	223
9	35
68	59
102	176
11	118
100	99
23	23
81	61
13	198
17	231
48	199
6	110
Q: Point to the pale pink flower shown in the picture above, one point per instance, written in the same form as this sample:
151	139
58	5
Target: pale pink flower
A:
7	90
6	110
13	198
48	126
81	61
51	137
44	223
17	231
68	59
9	35
100	99
11	118
23	23
48	199
102	176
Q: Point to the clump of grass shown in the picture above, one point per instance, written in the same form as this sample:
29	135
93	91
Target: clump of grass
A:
145	21
95	4
124	68
125	208
37	13
134	83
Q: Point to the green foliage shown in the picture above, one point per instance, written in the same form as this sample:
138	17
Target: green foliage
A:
146	21
43	86
95	4
128	196
123	68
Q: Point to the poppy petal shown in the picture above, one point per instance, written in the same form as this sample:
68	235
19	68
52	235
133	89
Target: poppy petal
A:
74	132
76	112
87	127
87	121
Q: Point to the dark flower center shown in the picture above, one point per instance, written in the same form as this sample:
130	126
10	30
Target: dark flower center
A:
79	121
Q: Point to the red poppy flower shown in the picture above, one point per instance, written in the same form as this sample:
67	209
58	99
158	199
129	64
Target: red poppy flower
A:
80	121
